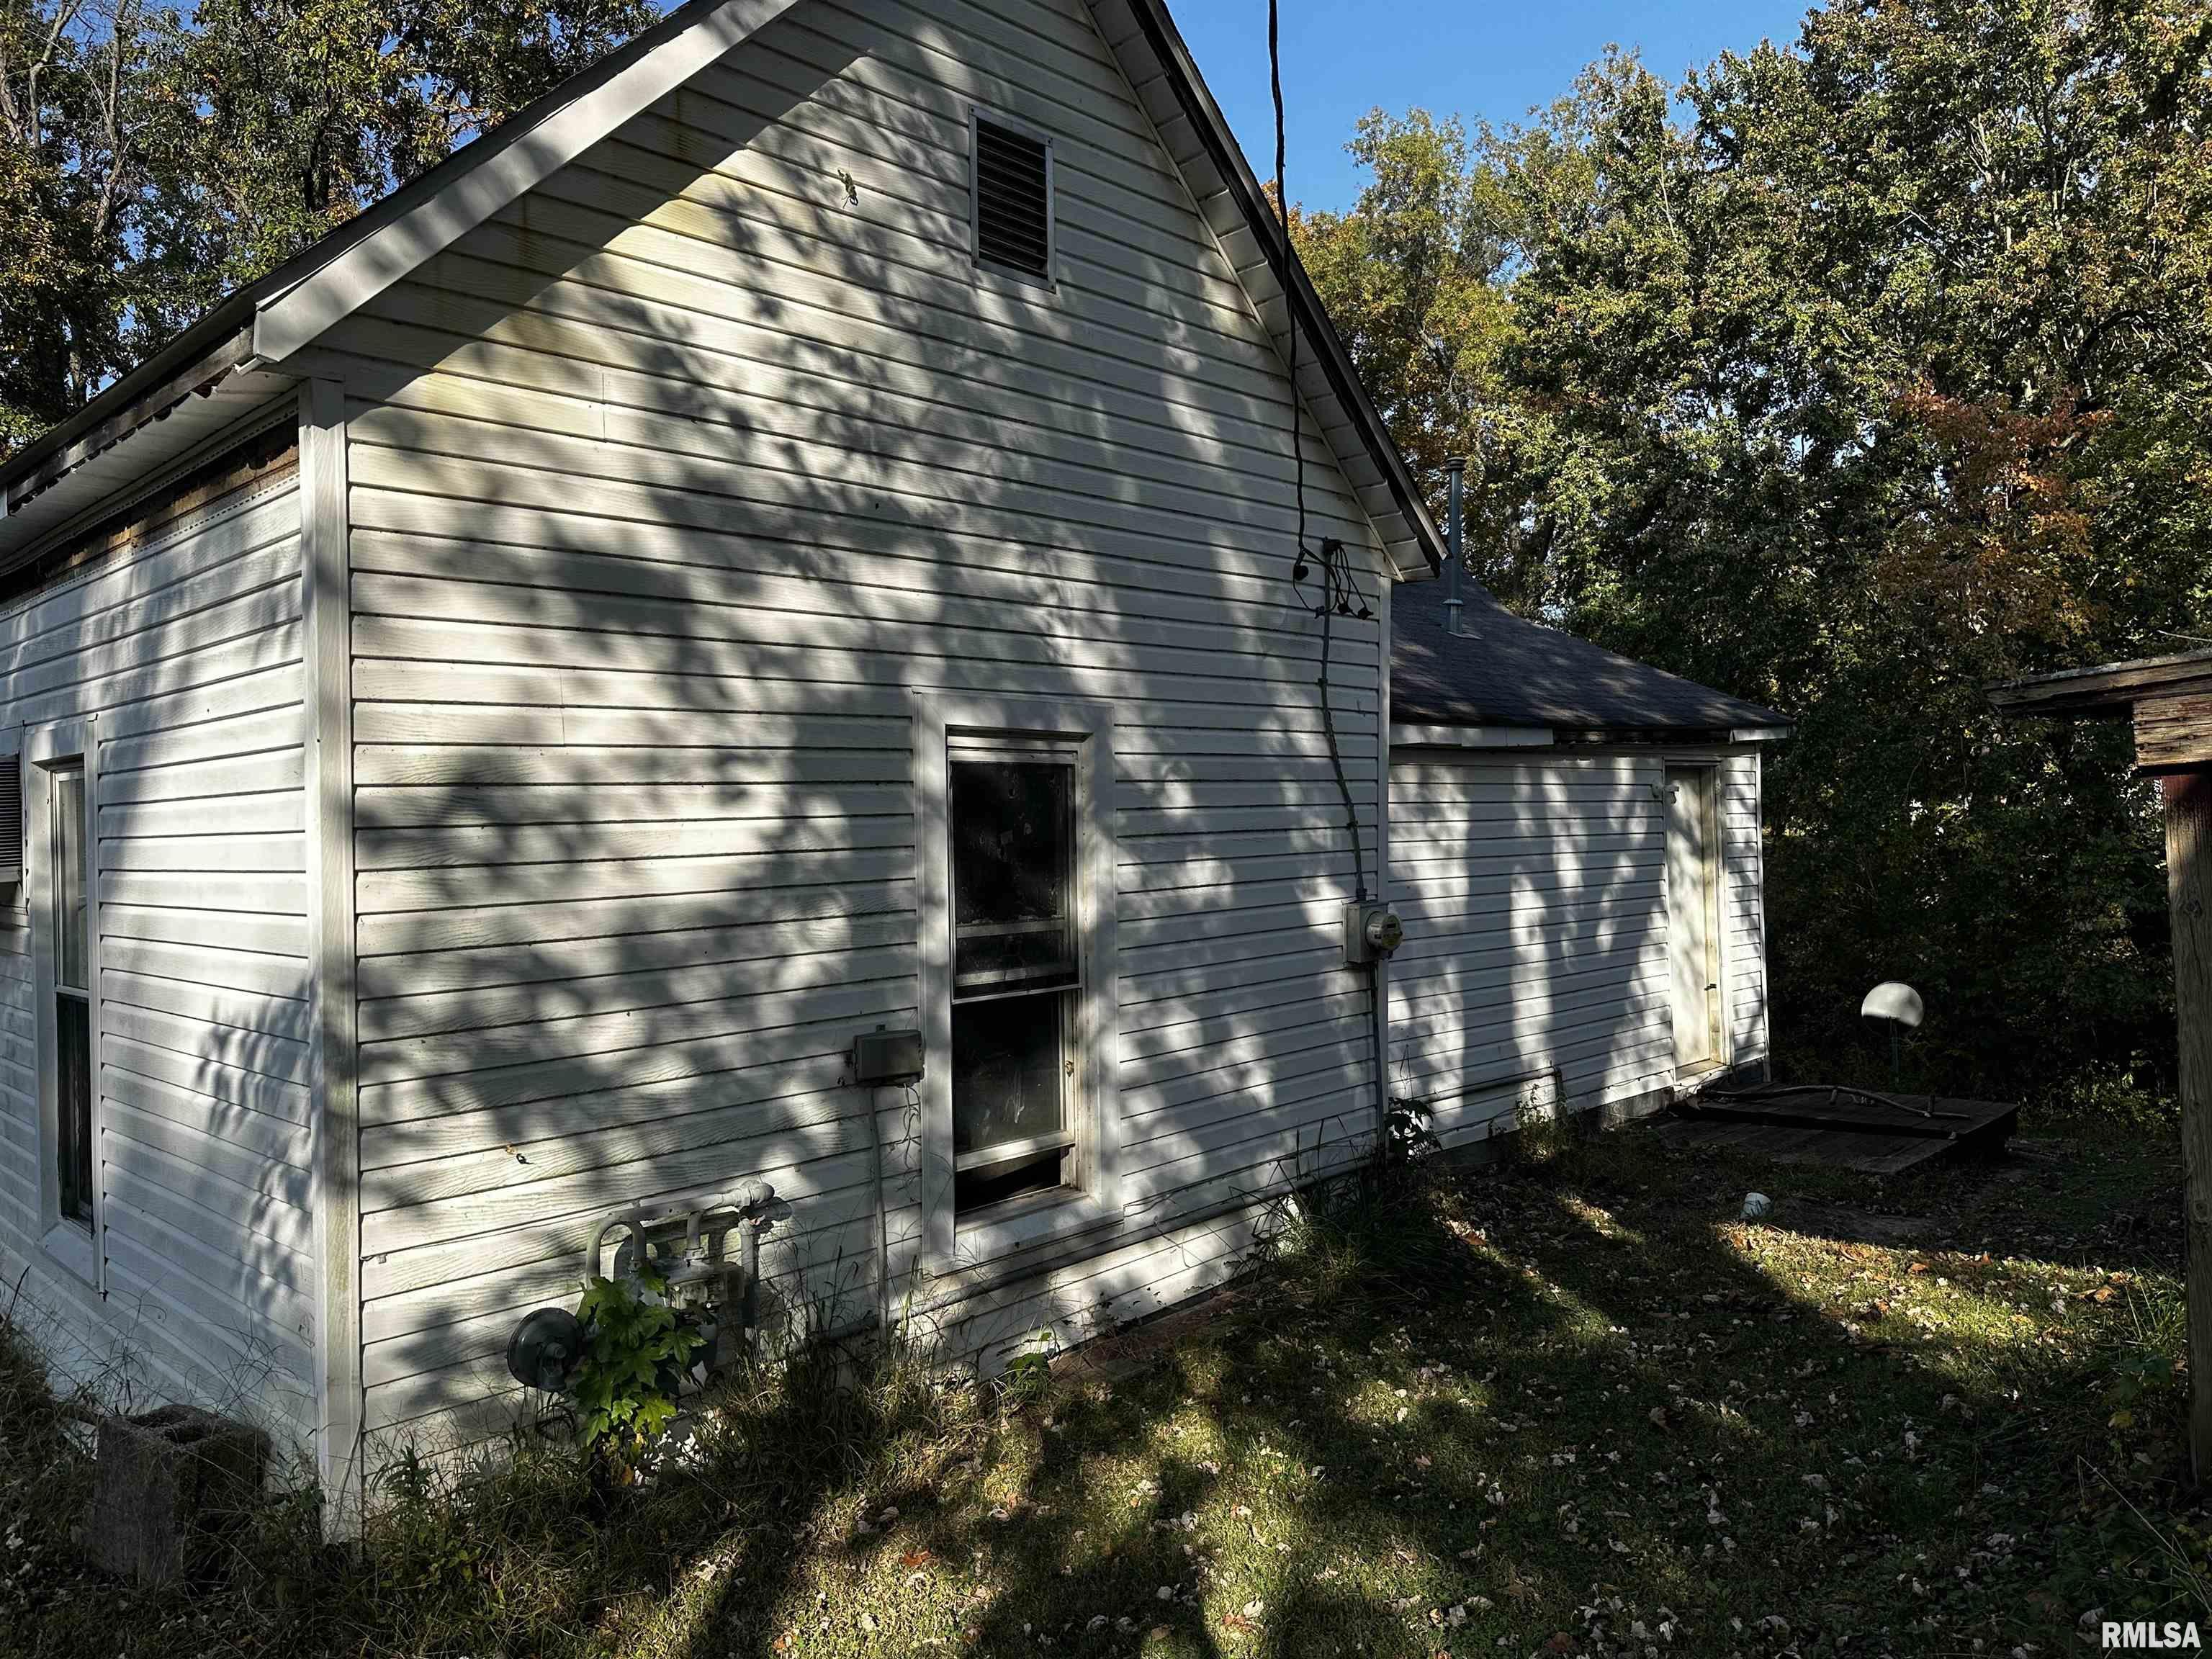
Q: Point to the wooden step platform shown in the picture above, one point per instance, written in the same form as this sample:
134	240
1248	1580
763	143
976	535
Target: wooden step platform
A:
1878	1133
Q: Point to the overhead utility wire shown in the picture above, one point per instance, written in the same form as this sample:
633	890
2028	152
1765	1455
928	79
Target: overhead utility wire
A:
1340	591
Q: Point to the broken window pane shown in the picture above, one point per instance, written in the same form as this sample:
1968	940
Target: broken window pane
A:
1007	1070
1013	908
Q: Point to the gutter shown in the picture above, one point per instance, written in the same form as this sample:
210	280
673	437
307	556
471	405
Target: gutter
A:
196	361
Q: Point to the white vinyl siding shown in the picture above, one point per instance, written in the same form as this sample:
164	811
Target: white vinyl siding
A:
180	656
671	487
1535	968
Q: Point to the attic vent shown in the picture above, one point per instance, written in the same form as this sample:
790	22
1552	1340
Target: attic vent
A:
1013	200
11	820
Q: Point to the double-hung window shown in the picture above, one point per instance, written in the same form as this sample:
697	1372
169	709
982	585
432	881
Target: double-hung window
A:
61	902
1019	970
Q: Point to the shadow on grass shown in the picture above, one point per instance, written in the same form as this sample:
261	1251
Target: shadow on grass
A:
1540	1412
1574	1401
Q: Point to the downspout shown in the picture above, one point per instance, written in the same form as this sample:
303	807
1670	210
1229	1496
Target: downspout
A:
1455	563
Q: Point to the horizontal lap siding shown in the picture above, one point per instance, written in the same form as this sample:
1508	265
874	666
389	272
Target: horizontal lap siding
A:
185	650
1534	894
1535	934
671	486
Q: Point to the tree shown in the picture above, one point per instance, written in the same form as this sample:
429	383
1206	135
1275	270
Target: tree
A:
1881	371
90	116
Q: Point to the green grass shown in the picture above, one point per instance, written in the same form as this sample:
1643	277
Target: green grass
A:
1575	1406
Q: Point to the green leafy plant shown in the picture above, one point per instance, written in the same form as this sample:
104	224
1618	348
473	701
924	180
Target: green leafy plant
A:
636	1349
1409	1131
1028	1375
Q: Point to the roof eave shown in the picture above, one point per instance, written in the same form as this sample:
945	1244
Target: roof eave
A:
282	311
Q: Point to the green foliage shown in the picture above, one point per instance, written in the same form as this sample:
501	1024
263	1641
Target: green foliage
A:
637	1348
1853	378
152	159
1409	1131
1028	1374
1450	1406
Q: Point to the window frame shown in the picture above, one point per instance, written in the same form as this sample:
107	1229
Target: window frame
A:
74	1245
1084	733
1048	279
970	748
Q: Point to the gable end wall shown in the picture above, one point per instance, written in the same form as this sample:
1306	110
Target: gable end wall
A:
670	489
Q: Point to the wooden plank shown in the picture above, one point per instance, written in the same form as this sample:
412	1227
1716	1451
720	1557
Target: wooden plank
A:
2113	689
1944	1118
2189	891
2174	732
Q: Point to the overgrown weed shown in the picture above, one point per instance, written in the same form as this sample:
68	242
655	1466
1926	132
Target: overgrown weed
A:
1446	1411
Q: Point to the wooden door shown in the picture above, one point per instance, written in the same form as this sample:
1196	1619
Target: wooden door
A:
1693	916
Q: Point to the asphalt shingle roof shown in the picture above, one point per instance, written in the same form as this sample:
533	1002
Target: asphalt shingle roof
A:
1503	670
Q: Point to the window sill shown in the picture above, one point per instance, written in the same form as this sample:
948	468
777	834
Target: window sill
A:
70	1247
1022	1223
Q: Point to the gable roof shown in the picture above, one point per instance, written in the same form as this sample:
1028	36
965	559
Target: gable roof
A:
234	358
1503	671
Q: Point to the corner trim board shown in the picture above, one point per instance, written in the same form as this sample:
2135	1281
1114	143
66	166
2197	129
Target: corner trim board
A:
1380	989
327	596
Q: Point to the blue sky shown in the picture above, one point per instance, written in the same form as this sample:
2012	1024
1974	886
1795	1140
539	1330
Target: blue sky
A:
1340	60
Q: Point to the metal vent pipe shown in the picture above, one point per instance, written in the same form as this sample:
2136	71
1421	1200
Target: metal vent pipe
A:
1455	561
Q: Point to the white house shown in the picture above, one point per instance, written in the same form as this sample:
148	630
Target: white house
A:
791	538
1575	851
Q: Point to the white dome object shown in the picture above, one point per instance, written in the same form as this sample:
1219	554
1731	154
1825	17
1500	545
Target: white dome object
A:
1893	1000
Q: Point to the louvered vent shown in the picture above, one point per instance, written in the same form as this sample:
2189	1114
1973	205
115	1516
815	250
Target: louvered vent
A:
1013	200
11	820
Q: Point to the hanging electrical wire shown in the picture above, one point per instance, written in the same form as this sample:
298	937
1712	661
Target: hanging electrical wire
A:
1338	593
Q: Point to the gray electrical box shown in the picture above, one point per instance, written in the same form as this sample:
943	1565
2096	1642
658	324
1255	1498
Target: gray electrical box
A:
887	1057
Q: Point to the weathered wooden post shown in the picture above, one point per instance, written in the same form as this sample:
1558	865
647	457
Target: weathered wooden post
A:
2189	895
2169	700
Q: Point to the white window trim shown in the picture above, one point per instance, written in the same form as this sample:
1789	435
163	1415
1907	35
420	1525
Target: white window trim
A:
1094	1198
66	1243
991	268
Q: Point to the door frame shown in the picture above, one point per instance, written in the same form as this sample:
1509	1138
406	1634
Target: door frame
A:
1716	911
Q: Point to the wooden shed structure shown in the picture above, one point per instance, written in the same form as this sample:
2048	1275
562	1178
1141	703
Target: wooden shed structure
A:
2168	701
